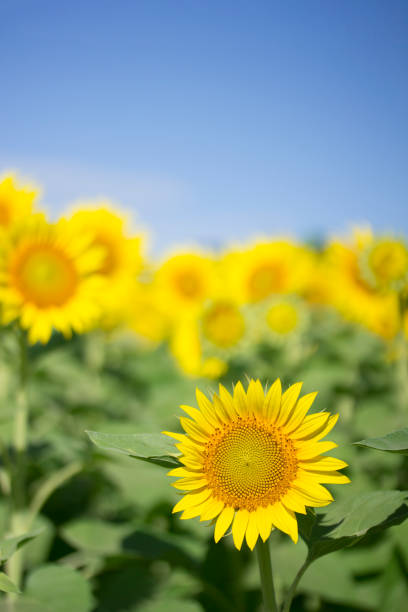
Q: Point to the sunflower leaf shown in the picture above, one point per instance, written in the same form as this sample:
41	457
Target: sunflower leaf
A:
7	585
394	442
153	448
348	522
8	546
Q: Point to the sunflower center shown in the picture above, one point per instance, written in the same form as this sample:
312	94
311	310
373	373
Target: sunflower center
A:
45	275
188	284
4	213
223	325
110	261
249	464
282	318
266	279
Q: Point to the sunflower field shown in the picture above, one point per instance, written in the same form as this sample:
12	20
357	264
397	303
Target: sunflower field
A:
175	431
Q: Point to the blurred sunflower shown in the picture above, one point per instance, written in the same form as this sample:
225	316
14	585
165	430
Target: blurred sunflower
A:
185	281
15	202
121	253
266	269
385	264
224	327
254	459
283	319
47	278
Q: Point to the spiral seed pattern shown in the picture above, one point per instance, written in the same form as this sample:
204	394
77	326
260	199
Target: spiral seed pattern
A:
249	463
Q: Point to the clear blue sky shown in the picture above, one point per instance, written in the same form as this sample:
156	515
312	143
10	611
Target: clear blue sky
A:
213	120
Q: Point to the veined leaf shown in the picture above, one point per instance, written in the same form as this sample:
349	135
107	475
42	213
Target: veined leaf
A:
394	442
7	585
349	521
153	448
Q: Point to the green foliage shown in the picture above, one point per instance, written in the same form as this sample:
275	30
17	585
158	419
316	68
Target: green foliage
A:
153	448
105	539
394	442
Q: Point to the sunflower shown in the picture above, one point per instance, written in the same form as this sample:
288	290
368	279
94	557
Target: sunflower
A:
385	264
186	280
47	280
267	268
15	203
253	459
121	253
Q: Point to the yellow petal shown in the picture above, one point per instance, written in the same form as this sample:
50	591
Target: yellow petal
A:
193	430
252	532
221	409
310	450
293	501
309	500
325	464
223	522
190	513
312	488
289	399
191	499
181	472
330	477
273	401
198	417
240	400
255	397
311	426
228	402
207	408
190	484
192	463
213	510
264	522
323	431
302	408
176	436
239	526
285	520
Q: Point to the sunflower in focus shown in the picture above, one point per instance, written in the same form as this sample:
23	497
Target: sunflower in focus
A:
15	202
47	278
186	280
253	459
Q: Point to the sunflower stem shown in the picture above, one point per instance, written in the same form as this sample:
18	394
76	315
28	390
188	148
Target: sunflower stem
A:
18	477
265	570
402	359
291	593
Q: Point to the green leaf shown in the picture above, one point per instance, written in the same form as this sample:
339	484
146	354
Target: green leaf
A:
7	585
170	605
394	442
58	589
349	521
153	448
8	546
95	535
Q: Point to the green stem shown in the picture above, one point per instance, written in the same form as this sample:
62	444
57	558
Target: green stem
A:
402	360
291	593
18	518
48	487
265	570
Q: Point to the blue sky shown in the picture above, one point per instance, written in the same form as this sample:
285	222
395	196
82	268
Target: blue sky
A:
213	121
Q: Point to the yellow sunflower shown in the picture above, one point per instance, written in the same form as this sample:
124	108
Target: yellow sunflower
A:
385	264
253	459
265	269
121	253
186	280
15	202
47	280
